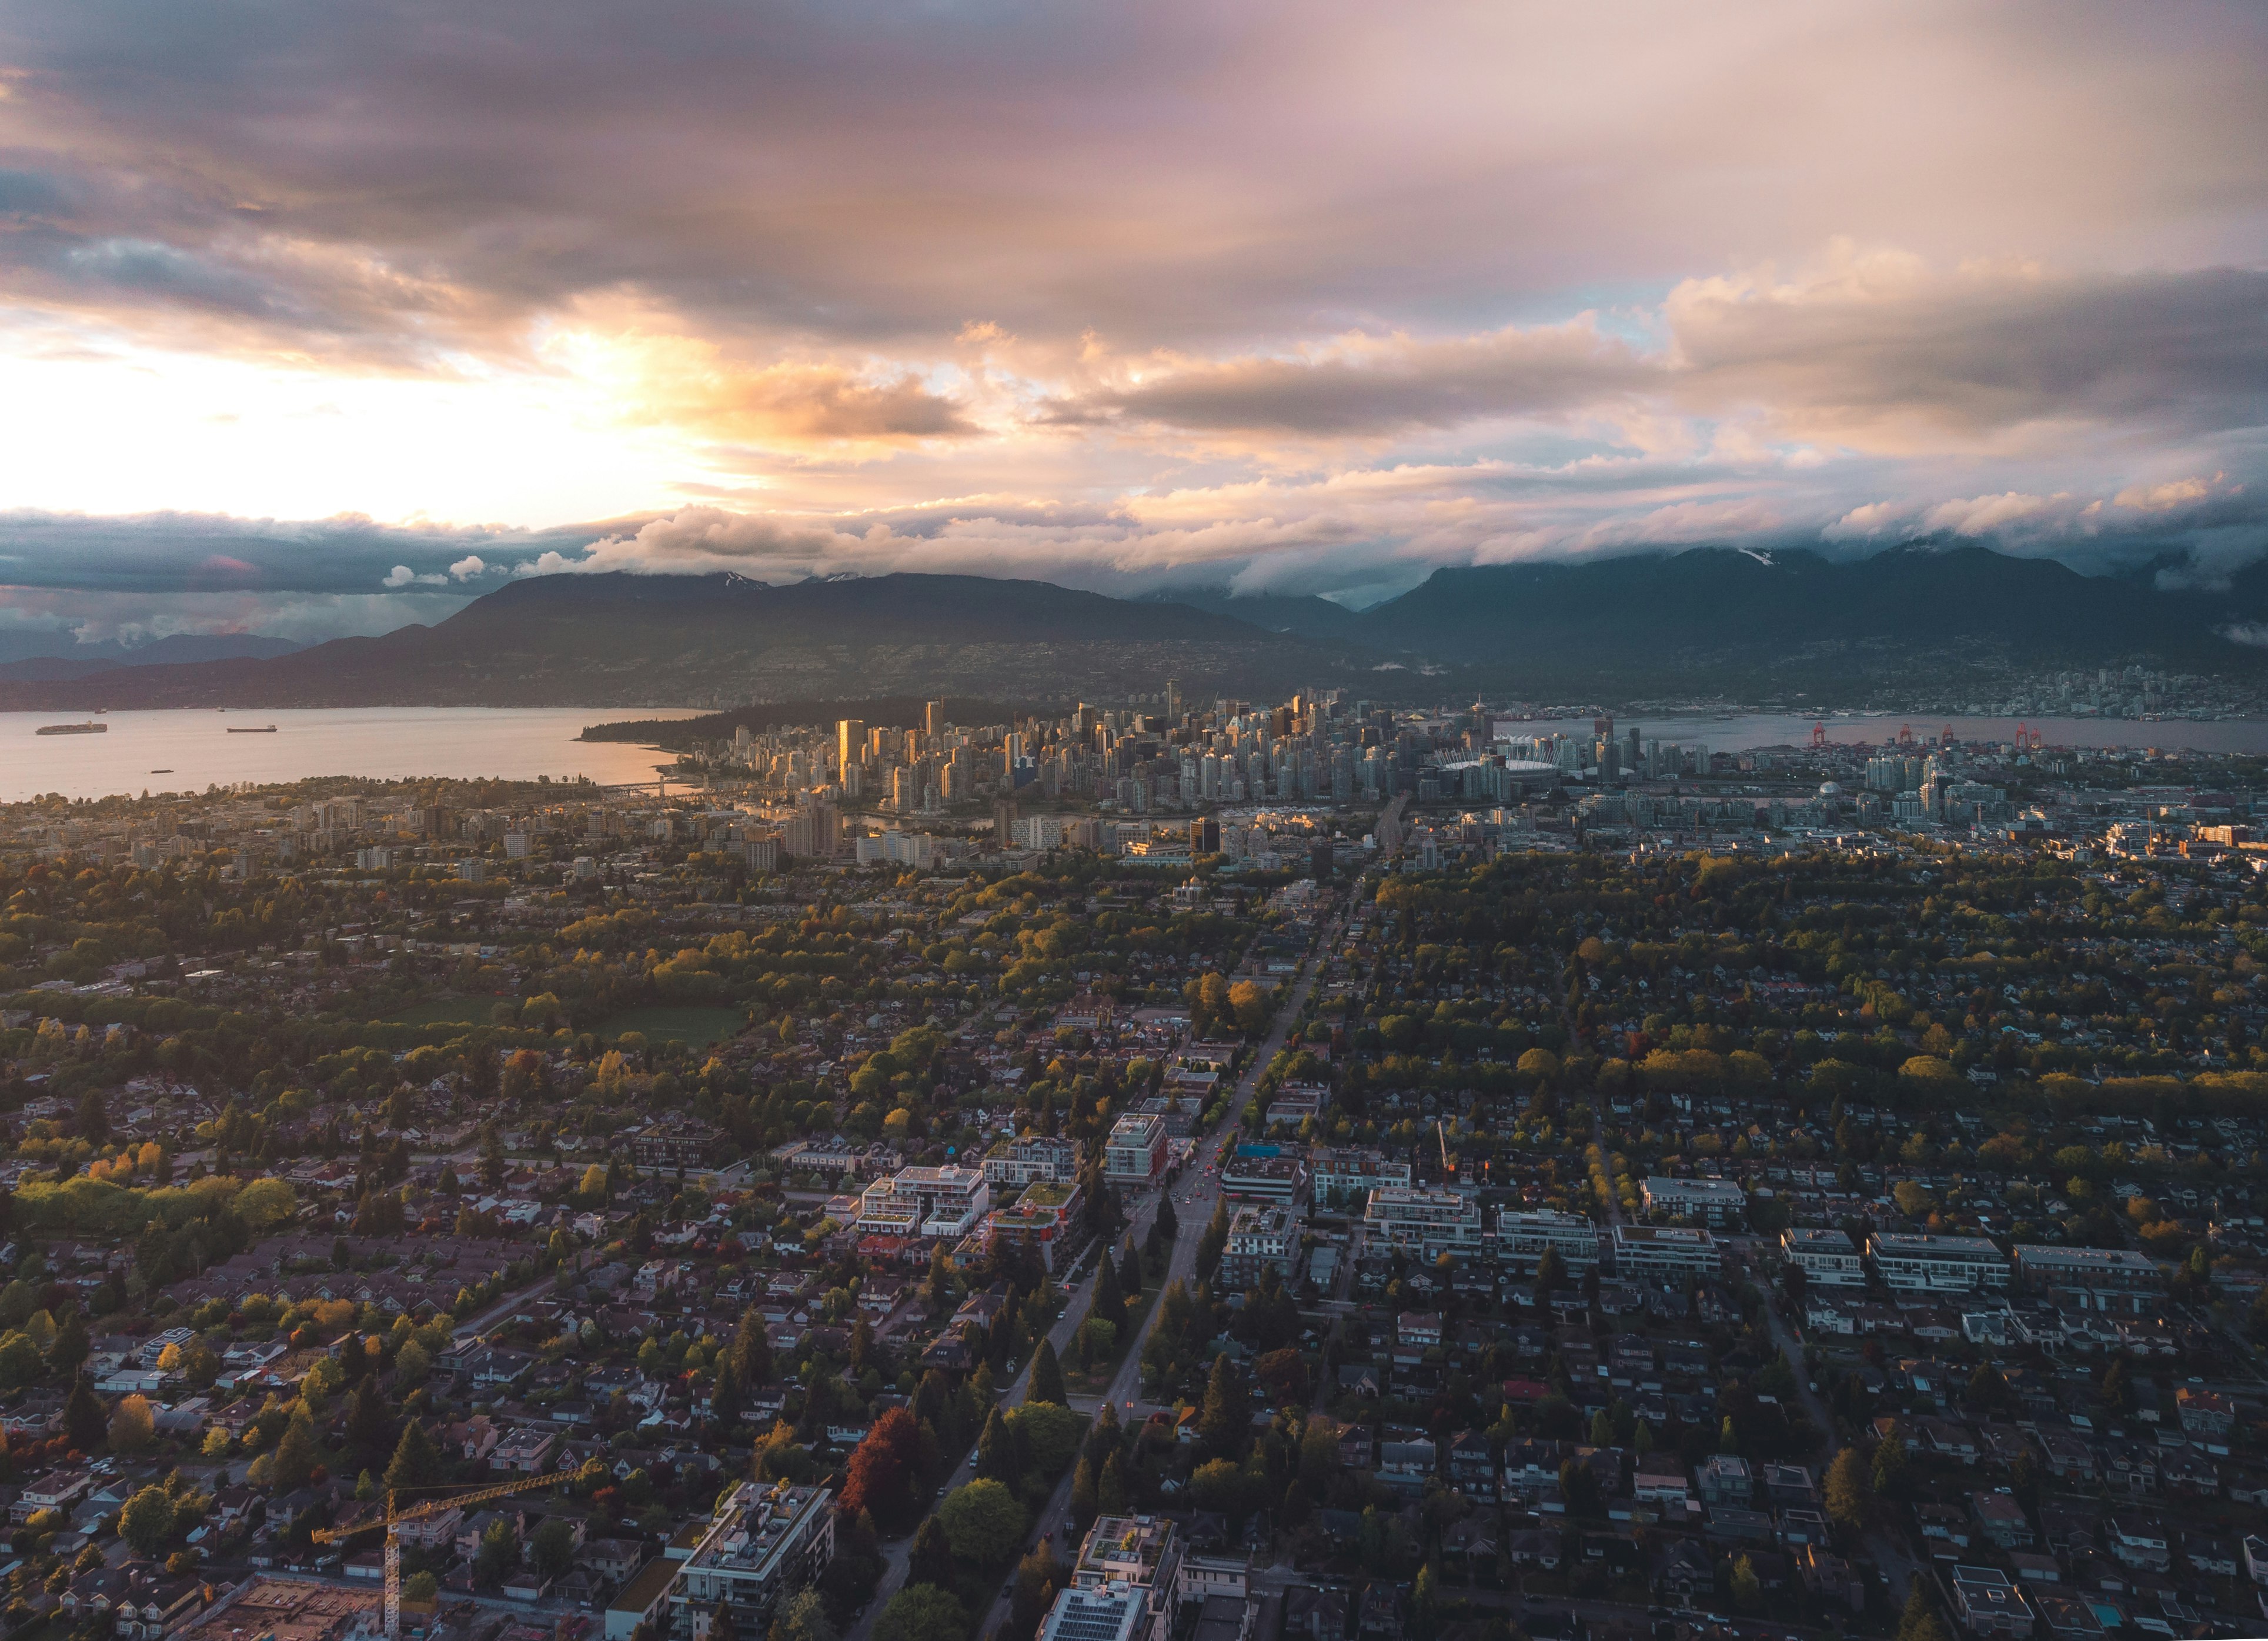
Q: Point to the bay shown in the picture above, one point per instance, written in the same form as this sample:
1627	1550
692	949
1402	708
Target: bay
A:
194	748
1739	732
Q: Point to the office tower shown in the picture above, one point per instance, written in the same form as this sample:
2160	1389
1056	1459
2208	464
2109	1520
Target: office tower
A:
934	718
850	742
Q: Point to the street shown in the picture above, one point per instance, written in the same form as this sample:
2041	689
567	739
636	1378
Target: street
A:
1196	1192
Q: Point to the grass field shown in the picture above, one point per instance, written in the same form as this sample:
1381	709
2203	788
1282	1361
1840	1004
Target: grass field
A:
448	1011
695	1028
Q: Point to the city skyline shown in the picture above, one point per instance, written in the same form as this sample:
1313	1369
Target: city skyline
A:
327	324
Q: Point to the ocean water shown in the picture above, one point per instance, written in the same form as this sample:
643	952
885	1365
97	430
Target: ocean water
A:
187	750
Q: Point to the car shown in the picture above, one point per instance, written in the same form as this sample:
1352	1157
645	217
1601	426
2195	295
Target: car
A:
1008	1590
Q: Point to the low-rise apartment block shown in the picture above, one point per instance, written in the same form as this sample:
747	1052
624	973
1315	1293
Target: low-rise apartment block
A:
1135	1155
1426	1223
1828	1259
1912	1263
1664	1253
1712	1201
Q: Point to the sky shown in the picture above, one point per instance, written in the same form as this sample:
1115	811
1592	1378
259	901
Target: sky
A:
322	319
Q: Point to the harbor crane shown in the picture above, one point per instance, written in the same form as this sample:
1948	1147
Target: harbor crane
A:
397	1514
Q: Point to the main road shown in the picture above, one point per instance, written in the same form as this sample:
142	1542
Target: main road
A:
1196	1192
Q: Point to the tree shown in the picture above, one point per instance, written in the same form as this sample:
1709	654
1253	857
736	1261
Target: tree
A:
1083	1509
1109	1302
147	1521
1165	1228
1129	1270
1038	1576
1919	1621
1423	1605
724	1395
416	1462
1224	1421
1213	1240
996	1455
421	1589
369	1430
1550	1274
930	1559
1889	1464
937	1292
1748	1589
132	1424
922	1613
1046	1376
499	1552
1578	1486
885	1470
85	1422
752	1351
983	1523
803	1618
296	1456
69	1349
552	1547
1848	1491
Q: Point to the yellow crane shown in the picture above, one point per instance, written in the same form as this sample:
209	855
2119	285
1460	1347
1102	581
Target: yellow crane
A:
395	1515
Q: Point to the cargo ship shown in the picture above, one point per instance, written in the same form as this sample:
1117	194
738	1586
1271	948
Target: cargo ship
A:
87	728
263	729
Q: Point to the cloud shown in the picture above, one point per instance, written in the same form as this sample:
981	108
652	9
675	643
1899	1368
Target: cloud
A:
1870	351
1303	297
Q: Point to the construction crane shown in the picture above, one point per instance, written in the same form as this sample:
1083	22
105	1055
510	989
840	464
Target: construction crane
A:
395	1516
1448	1163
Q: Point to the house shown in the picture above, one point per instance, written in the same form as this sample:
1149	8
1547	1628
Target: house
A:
1830	1577
2204	1413
2139	1541
1987	1604
1535	1547
1725	1480
1472	1467
1680	1569
1407	1466
525	1450
1660	1480
2002	1519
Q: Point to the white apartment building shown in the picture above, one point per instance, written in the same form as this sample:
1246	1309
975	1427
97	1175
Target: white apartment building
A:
1713	1201
1664	1253
763	1543
946	1201
1428	1222
1036	1157
1829	1259
1522	1238
1262	1237
1341	1177
1135	1154
1910	1263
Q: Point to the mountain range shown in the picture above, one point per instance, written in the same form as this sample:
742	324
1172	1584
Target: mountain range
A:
1737	622
46	655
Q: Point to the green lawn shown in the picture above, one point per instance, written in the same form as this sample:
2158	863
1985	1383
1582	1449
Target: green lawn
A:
448	1011
695	1028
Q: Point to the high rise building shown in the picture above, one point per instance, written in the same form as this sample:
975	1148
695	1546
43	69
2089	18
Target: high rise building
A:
849	742
934	718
